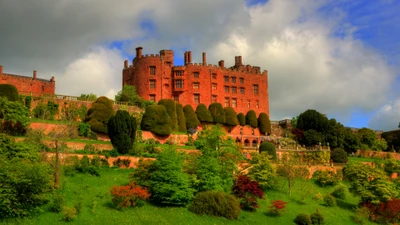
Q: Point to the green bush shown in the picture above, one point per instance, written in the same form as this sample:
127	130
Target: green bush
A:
57	203
230	117
242	119
99	114
191	118
340	192
269	148
302	219
317	218
203	114
216	203
264	124
170	106
69	214
327	178
83	129
251	119
339	155
122	131
96	161
156	120
28	102
181	118
329	200
391	166
9	91
217	112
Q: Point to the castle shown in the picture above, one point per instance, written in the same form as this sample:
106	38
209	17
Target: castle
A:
242	87
29	85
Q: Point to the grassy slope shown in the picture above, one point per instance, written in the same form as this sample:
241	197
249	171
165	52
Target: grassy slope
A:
89	189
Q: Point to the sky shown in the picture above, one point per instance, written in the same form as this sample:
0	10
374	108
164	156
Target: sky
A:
340	57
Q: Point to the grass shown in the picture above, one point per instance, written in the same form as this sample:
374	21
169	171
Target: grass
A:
93	193
36	120
87	141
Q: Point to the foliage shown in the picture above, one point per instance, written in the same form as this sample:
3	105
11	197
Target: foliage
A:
312	137
15	117
83	129
122	162
262	171
129	195
170	106
361	215
293	121
264	124
391	166
327	177
87	97
351	141
71	112
247	191
203	114
9	92
241	119
251	119
122	131
231	119
339	155
269	148
380	145
191	118
28	102
83	165
57	203
370	183
217	112
385	212
141	174
316	157
393	139
99	114
208	174
216	203
129	94
181	118
156	120
69	214
367	136
340	192
317	218
302	219
329	200
312	120
277	207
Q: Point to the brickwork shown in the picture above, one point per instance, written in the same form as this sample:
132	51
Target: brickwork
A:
29	85
242	87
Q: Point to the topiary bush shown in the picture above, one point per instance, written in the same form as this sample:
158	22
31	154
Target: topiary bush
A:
203	114
231	119
122	131
9	91
241	119
340	192
191	118
317	218
99	114
329	200
269	148
302	219
156	120
264	124
217	112
216	203
170	106
251	119
339	155
181	118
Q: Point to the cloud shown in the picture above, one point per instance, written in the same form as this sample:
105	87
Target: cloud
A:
387	117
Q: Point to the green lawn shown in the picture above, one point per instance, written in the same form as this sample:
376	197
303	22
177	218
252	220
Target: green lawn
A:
92	190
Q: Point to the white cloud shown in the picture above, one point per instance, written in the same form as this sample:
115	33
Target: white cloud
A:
387	117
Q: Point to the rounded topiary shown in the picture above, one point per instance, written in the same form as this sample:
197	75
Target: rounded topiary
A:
203	114
302	219
99	114
122	131
156	120
216	203
251	119
329	200
181	118
9	91
170	106
269	148
191	118
341	191
242	119
317	218
230	117
264	124
339	155
217	112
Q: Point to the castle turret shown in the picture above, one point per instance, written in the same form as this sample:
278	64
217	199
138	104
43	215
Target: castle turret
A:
204	59
139	52
125	64
1	70
34	74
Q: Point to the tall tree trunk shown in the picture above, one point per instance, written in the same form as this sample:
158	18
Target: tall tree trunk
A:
56	175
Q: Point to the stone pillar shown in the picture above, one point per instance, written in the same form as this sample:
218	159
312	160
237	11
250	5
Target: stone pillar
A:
189	57
34	74
204	59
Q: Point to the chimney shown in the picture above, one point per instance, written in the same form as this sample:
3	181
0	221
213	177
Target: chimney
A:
204	59
186	58
248	68
221	64
236	61
126	64
240	60
34	74
189	57
1	70
52	79
139	52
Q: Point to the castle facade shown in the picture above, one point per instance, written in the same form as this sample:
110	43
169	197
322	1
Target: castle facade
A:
242	87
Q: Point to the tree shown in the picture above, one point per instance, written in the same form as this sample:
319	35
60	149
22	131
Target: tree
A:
181	118
351	141
293	122
312	120
393	139
242	119
156	120
231	119
262	171
99	114
339	155
367	137
203	114
10	92
217	112
87	97
15	117
312	137
129	94
269	148
247	191
251	118
264	124
122	131
380	145
191	118
170	106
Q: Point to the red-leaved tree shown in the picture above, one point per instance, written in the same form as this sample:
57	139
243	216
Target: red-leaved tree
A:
277	207
385	212
129	195
247	191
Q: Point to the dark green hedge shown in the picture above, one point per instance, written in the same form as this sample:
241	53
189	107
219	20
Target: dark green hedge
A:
264	124
217	112
122	131
251	119
191	118
99	114
230	117
156	120
203	114
242	119
9	91
170	105
181	118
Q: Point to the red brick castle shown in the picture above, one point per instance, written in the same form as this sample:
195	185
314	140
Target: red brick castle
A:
242	87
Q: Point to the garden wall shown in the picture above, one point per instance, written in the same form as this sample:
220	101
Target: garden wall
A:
382	155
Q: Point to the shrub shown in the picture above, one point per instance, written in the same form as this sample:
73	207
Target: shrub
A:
83	129
251	119
122	131
277	207
391	166
327	178
181	118
170	106
191	118
231	119
129	195
317	218
99	114
96	161
302	219
269	148
203	114
122	162
339	155
241	119
57	203
262	171
28	102
340	192
329	200
264	124
216	203
92	135
247	191
156	120
217	112
385	212
361	215
9	91
69	214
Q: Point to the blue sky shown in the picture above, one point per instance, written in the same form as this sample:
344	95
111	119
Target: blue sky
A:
338	57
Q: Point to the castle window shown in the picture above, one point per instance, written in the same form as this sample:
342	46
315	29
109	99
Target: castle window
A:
233	79
226	78
196	74
255	89
257	104
178	83
234	89
152	70
196	85
152	98
196	98
234	102
214	76
226	88
241	80
214	86
176	98
241	90
248	103
226	102
152	84
214	98
42	88
179	73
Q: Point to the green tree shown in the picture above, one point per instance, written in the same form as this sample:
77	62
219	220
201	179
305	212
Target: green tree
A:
203	114
312	120
339	155
231	119
181	118
312	137
367	137
10	92
262	171
217	112
170	106
269	148
393	139
242	119
380	145
99	114
156	120
15	117
169	185
251	118
351	141
129	94
122	131
87	97
264	124
293	122
191	118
